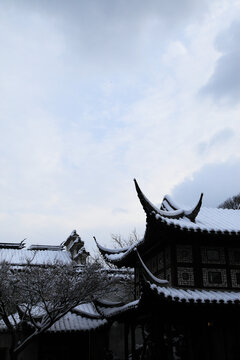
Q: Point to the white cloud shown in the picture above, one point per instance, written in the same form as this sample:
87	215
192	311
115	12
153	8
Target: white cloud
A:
93	95
221	138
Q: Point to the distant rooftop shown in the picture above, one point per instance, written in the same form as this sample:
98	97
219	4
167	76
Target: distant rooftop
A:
23	256
21	245
70	251
46	247
4	245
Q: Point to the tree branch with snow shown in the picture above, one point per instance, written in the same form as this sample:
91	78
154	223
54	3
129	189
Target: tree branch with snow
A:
35	297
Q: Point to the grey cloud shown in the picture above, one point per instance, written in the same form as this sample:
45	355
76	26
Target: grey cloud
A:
217	181
110	32
224	84
218	139
113	10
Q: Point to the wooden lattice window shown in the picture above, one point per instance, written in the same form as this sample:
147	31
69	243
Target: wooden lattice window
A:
236	256
185	276
214	277
238	278
213	254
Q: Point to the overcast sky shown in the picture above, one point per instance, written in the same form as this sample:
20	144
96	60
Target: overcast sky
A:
95	93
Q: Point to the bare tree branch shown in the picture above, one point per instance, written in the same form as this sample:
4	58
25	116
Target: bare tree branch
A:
231	203
40	296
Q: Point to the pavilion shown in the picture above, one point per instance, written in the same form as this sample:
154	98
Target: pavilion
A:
187	280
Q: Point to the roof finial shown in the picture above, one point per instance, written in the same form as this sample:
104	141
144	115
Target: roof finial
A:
175	213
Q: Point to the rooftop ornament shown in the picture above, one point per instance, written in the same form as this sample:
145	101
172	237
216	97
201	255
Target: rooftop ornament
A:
168	208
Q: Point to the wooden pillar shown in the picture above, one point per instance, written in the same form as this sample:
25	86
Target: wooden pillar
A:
226	334
168	329
189	331
89	345
126	328
133	344
196	335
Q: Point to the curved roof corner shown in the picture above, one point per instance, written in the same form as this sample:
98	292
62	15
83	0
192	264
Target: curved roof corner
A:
168	208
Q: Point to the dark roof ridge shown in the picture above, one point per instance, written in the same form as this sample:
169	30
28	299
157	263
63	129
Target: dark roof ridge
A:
86	313
107	251
195	295
10	245
148	274
176	213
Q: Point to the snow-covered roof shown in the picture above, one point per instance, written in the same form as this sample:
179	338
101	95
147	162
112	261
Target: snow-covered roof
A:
46	247
74	321
116	255
5	245
74	238
91	315
86	317
98	315
88	309
168	208
38	257
204	219
209	219
169	214
177	294
110	311
196	295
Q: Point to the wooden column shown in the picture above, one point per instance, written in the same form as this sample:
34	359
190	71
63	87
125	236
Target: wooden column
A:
133	343
126	329
168	328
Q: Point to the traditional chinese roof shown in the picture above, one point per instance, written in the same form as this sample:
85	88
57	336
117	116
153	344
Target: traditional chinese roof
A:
170	216
118	256
91	316
70	251
23	256
75	246
20	245
46	247
196	219
87	316
110	309
196	295
160	288
84	317
168	209
81	253
74	239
